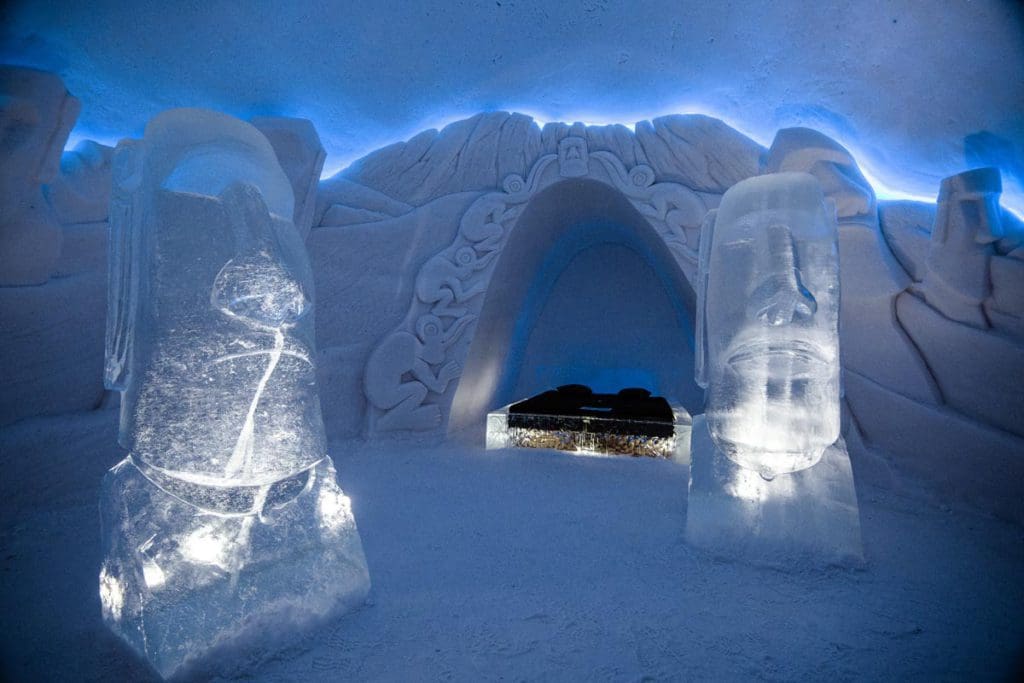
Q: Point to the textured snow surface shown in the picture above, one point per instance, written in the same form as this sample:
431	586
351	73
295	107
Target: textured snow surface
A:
529	565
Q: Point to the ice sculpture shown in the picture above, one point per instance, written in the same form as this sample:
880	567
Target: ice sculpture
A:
298	149
770	477
769	324
225	517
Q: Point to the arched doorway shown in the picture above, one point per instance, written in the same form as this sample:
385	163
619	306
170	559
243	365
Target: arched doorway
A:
585	291
412	374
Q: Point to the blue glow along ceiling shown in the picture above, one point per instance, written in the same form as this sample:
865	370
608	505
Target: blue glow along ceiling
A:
902	83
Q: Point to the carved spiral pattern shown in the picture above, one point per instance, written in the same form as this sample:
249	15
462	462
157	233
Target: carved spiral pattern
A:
465	256
641	176
514	183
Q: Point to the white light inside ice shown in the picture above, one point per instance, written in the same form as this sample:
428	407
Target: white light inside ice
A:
750	485
334	511
770	324
213	520
152	574
205	546
111	595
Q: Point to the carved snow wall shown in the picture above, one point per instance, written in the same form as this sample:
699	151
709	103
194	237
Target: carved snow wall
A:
409	371
443	204
932	319
586	291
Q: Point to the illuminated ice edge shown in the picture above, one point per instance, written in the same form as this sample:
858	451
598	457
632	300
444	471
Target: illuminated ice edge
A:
883	180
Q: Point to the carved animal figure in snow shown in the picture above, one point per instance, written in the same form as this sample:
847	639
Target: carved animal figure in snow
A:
679	208
442	280
482	222
402	354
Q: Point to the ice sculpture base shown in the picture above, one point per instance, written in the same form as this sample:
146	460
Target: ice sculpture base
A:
805	518
178	581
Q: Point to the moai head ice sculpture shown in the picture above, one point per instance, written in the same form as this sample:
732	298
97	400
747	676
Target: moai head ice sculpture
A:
210	332
768	343
226	512
36	115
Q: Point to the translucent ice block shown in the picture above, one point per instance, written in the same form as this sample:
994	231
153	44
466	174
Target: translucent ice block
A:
226	514
210	332
802	519
769	328
189	568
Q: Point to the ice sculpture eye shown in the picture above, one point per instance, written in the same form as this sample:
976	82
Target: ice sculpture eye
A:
429	326
257	288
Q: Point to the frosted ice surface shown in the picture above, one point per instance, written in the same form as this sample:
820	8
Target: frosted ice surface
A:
209	308
226	515
769	327
805	518
189	568
770	478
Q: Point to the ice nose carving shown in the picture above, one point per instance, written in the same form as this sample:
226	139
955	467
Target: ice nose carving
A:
782	297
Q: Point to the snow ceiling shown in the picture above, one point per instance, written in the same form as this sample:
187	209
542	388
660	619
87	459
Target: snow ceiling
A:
917	92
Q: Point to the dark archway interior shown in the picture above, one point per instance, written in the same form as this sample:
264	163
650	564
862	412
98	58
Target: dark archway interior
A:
586	292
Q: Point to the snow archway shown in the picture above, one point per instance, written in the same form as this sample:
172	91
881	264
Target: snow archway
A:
412	373
585	292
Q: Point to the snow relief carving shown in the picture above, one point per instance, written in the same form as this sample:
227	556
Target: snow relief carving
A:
36	116
572	157
957	279
409	373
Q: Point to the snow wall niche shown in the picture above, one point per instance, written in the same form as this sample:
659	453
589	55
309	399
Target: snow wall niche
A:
546	282
585	292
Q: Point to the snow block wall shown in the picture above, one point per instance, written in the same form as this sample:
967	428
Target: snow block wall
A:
407	247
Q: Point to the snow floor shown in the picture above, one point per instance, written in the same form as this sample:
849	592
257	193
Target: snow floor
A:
534	565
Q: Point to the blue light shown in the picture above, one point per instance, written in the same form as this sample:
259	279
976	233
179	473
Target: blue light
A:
889	184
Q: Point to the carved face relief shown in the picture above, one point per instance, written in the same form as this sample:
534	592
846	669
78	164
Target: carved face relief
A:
771	314
229	388
36	114
19	128
23	147
573	157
